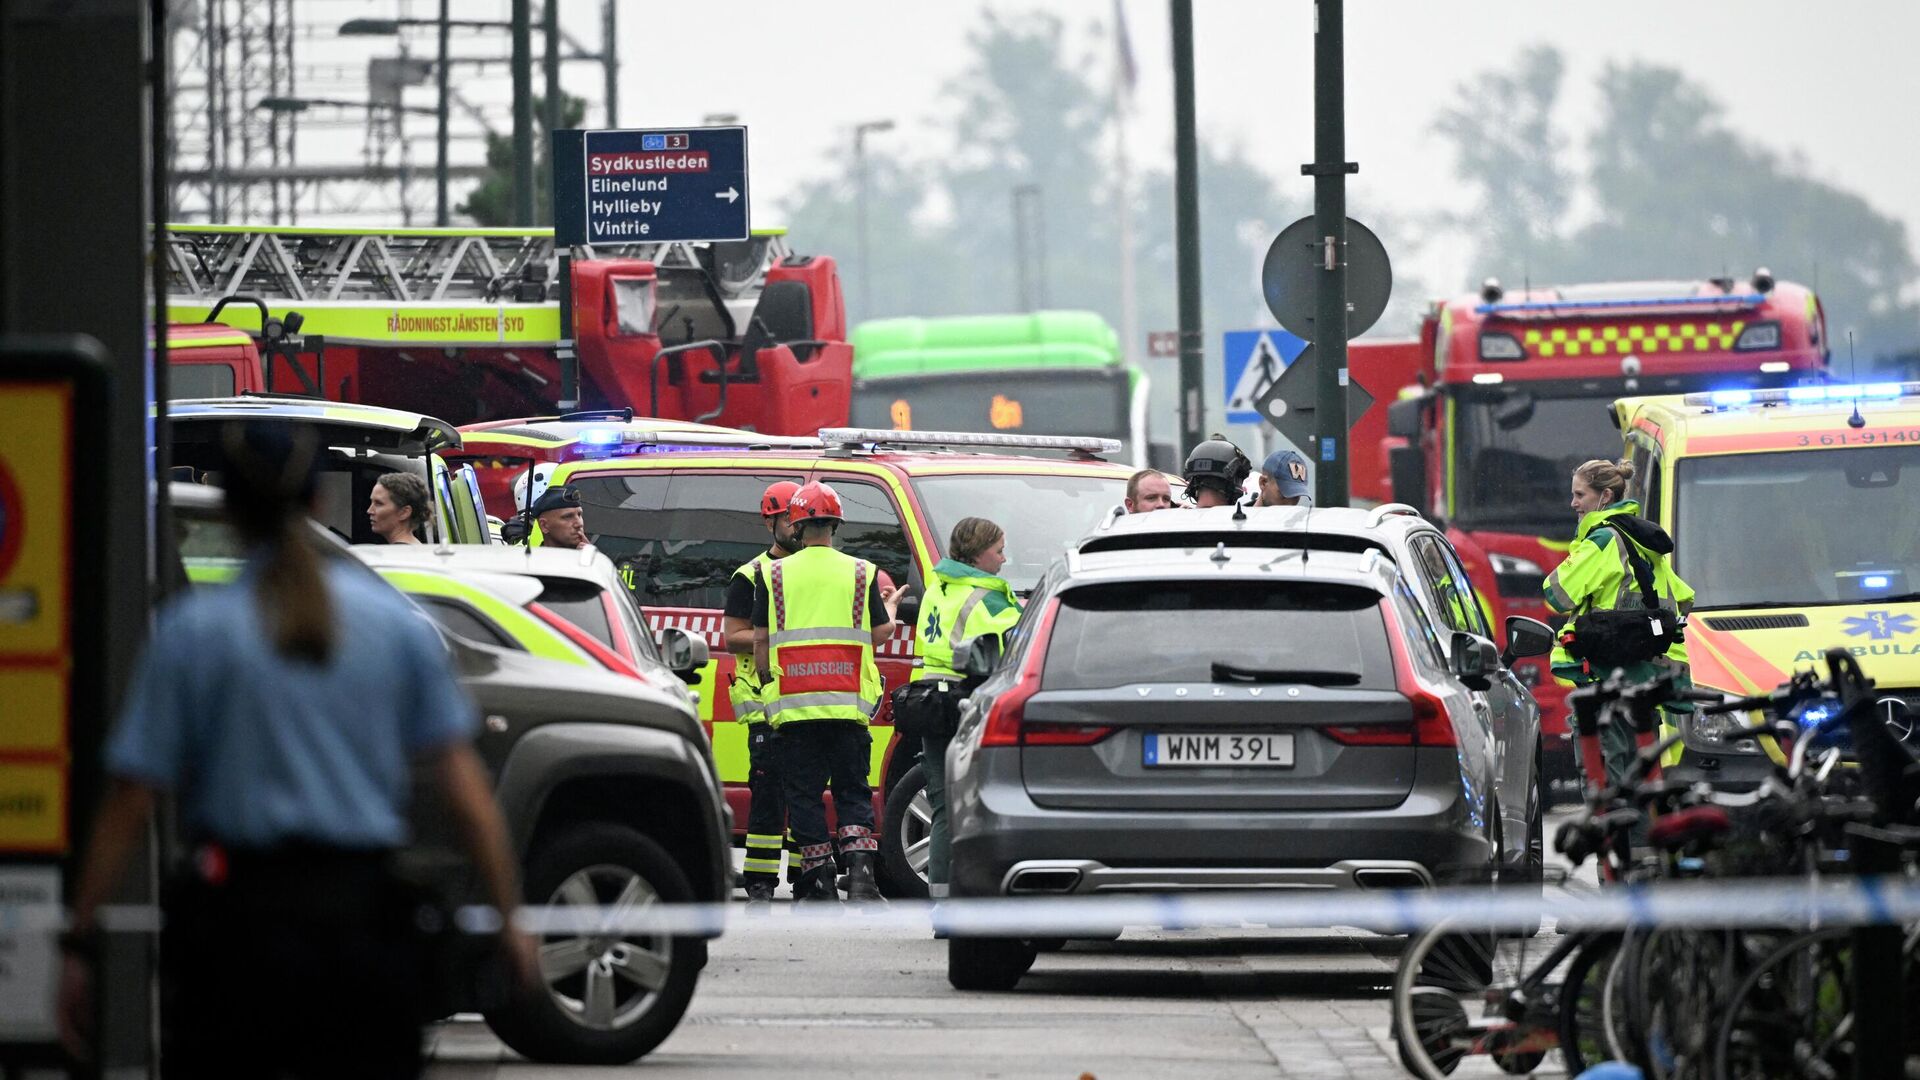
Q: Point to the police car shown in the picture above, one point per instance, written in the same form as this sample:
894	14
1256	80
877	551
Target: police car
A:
1795	514
602	772
364	442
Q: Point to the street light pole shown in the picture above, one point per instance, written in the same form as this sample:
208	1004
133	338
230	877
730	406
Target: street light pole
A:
1186	216
522	112
1329	171
860	197
442	213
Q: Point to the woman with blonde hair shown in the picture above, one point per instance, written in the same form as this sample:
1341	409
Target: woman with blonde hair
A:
1618	562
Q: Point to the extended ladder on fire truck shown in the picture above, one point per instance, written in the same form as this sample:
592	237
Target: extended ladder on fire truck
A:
286	264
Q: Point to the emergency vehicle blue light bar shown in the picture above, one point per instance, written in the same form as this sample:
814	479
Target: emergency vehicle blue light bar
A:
1804	395
1739	300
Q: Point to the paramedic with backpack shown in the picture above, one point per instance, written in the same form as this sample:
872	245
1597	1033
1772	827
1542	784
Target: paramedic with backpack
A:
1616	569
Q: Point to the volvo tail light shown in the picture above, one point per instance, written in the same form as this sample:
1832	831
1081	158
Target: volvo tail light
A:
1431	725
1006	721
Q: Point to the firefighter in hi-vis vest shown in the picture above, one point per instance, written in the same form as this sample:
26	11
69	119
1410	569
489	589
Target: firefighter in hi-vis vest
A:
816	621
767	832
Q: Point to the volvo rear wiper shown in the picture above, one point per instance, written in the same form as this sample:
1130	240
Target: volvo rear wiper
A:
1225	672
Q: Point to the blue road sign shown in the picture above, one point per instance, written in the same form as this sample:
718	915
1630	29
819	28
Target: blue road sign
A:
615	187
1254	359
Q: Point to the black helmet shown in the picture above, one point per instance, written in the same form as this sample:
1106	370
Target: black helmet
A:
1217	463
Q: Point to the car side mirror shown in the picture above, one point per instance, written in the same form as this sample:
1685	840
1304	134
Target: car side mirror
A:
1403	417
977	657
683	653
1527	637
1473	660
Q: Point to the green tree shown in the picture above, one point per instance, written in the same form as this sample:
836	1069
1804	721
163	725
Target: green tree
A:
1679	193
1675	193
491	203
1511	151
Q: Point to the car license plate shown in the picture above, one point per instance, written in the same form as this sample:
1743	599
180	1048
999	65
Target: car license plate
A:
1180	748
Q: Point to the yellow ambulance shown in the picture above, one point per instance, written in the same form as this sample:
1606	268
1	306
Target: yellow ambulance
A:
1795	514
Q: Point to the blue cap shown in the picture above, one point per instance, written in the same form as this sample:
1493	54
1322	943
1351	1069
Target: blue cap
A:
1288	470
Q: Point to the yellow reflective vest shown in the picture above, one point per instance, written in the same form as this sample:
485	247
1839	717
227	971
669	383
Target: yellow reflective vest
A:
745	691
820	638
1598	576
962	602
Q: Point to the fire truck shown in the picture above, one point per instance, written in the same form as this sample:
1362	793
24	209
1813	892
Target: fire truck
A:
1503	395
468	324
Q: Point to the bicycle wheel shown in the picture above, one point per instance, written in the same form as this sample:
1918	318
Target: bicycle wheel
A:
1682	979
1793	1014
1450	1000
1583	1039
1616	1006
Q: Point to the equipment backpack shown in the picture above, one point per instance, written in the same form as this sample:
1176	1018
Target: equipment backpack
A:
1623	636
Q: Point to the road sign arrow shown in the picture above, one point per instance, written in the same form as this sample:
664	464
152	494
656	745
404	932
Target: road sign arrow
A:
730	195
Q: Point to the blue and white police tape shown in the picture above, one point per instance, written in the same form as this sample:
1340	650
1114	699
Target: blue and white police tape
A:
1773	902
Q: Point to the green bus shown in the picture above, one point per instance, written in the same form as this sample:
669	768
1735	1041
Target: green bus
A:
1045	373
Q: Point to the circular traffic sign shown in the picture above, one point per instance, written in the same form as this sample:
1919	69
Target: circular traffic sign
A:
1290	277
13	521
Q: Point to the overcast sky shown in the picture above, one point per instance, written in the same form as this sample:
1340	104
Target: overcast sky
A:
1834	83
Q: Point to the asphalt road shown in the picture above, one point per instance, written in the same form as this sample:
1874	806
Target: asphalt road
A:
789	1001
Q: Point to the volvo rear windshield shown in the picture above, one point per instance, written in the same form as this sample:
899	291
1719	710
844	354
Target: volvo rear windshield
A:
1218	632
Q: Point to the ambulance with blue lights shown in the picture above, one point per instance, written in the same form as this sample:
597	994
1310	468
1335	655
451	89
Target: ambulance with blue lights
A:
1504	394
1795	515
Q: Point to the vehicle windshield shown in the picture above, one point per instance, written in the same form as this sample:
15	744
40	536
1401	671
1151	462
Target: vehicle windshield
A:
1828	526
1042	514
1517	453
1072	401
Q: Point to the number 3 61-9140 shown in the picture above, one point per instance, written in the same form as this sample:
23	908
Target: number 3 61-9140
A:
1861	438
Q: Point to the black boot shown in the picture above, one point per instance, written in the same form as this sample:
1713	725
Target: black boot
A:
816	892
862	888
759	897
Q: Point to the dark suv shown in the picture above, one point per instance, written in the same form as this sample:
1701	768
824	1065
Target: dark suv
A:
610	794
1205	717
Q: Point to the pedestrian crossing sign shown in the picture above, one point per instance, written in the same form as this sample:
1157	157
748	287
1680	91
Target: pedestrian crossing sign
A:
1254	360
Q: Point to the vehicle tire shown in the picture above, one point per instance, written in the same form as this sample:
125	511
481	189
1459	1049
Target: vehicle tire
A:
1535	864
906	830
606	999
1047	944
987	963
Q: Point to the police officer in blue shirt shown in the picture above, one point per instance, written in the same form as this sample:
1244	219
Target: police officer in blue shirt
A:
283	713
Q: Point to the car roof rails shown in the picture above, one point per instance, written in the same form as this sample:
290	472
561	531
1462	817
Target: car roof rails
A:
1392	509
1083	448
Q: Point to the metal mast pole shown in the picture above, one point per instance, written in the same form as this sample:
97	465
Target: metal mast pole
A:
1329	171
610	60
1186	215
555	99
522	112
442	212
